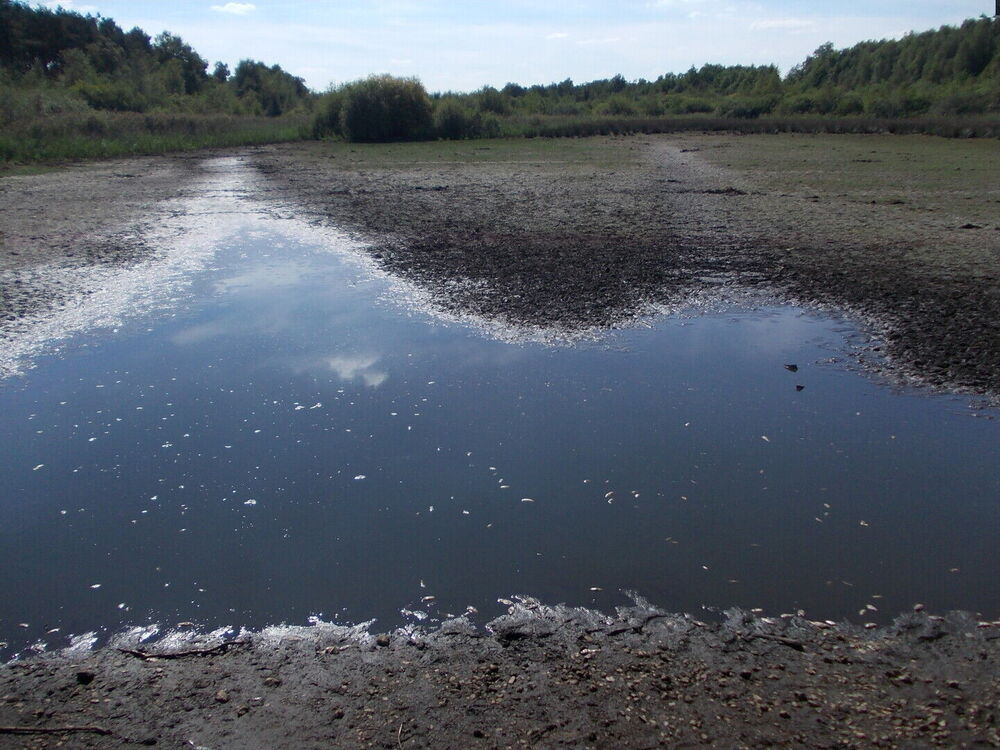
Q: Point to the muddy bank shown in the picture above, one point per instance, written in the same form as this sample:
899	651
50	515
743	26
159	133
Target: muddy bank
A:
576	233
537	677
79	216
593	232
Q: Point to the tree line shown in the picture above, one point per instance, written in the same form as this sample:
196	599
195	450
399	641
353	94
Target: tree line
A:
56	61
68	61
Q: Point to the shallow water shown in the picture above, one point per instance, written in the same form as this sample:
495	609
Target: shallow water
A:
279	432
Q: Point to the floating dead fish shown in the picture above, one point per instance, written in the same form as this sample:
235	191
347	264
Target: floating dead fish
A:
800	387
609	495
38	467
359	477
527	500
596	588
792	368
765	438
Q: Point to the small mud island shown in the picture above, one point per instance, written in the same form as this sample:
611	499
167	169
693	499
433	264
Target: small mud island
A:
900	233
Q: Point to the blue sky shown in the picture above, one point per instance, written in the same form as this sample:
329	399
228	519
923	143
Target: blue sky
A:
461	46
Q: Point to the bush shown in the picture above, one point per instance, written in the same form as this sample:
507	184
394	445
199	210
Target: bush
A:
686	105
617	106
452	121
747	108
384	108
328	111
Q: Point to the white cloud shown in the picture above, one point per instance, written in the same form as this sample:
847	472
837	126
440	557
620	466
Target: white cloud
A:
557	35
672	3
362	366
605	40
237	9
69	5
787	24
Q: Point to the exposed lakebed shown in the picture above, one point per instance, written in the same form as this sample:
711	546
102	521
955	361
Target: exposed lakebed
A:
259	427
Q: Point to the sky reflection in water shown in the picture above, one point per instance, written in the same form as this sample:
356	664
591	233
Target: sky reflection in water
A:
286	442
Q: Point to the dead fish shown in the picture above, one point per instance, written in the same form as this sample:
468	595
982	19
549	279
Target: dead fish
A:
800	387
792	368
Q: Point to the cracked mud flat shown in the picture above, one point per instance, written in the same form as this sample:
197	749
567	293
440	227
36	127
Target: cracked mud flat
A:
553	238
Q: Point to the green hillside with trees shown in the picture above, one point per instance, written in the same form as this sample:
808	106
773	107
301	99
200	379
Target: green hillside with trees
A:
75	85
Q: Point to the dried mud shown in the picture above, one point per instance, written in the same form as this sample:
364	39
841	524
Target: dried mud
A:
543	244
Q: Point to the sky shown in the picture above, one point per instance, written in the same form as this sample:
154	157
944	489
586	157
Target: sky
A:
455	45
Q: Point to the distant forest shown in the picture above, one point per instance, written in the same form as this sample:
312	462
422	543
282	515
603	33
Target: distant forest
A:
87	74
70	61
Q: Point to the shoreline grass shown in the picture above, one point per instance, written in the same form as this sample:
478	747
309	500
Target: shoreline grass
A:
556	126
100	135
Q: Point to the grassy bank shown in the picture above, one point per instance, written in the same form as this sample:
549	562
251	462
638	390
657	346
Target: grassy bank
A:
91	135
578	126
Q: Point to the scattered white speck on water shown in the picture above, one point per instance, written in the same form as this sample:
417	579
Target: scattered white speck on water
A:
465	512
251	501
430	509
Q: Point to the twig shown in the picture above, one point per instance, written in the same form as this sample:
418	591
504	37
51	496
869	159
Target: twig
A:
146	655
53	730
790	642
399	737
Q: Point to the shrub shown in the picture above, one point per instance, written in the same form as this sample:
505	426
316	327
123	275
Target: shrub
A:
747	108
617	106
328	112
384	108
452	121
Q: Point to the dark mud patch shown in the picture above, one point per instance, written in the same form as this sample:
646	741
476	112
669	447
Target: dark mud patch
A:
538	676
586	243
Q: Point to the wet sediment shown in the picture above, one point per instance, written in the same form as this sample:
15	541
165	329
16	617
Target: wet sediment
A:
538	676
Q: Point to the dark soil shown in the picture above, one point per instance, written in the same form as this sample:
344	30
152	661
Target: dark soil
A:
542	677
